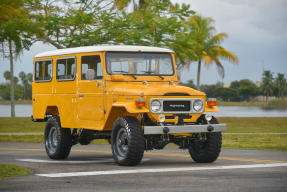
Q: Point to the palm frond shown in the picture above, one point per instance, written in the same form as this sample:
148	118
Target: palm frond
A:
225	54
207	60
217	39
219	66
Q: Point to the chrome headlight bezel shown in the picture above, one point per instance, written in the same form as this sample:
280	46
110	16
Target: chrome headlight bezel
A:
198	105
155	106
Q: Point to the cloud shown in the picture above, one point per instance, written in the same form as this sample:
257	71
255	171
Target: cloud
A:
247	21
257	33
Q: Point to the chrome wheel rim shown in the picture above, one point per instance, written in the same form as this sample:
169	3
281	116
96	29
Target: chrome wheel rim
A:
52	140
122	142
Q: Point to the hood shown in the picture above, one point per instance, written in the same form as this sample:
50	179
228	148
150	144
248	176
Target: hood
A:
150	89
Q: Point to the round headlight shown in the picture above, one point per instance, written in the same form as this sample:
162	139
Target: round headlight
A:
198	105
155	106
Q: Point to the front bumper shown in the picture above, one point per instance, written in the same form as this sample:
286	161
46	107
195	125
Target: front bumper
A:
169	129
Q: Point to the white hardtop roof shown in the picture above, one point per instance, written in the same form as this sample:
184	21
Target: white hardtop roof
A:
122	48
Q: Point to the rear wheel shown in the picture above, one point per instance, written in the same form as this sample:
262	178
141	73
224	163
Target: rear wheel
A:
58	140
207	146
127	141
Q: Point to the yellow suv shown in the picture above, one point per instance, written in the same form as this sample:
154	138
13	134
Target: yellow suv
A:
128	95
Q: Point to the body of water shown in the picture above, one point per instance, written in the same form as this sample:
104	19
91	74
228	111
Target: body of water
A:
224	111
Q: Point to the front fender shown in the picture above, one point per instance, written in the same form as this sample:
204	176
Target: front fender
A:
211	109
131	107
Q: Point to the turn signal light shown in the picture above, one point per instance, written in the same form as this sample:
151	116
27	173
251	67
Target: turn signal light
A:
211	102
140	102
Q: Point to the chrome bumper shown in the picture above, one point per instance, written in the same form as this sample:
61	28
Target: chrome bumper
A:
149	130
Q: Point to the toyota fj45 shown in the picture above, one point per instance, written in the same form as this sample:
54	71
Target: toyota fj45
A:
128	95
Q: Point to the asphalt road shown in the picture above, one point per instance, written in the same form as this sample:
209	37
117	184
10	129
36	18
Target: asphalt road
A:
91	168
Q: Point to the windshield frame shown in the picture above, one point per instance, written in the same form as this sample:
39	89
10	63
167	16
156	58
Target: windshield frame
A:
165	53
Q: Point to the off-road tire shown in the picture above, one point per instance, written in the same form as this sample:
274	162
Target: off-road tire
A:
58	140
206	151
130	130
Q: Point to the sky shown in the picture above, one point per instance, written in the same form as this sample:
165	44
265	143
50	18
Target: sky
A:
257	31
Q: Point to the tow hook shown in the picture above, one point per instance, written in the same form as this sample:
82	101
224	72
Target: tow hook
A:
210	128
165	130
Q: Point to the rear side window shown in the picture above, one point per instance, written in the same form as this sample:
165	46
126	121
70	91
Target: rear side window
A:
91	67
66	69
43	70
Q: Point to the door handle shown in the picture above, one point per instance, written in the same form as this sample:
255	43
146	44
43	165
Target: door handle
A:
81	95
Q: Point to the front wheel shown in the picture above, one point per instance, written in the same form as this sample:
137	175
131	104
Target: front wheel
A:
207	146
58	140
127	141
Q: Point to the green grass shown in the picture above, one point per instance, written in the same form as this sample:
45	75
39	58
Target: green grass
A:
20	125
257	142
7	171
22	138
276	104
254	125
234	125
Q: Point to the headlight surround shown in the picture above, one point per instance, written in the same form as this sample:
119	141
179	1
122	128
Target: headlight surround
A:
198	105
155	106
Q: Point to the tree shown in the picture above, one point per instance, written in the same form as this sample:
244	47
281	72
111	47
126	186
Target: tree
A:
84	23
7	75
267	83
246	89
209	47
226	94
235	84
14	27
210	90
281	84
24	81
190	83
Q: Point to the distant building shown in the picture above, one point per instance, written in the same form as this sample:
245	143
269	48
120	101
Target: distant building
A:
226	85
258	83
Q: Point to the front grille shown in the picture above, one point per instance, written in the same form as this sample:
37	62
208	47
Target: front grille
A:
176	106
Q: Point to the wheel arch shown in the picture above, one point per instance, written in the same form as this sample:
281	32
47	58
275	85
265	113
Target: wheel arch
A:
52	110
116	112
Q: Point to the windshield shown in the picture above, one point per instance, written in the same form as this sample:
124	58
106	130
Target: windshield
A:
139	63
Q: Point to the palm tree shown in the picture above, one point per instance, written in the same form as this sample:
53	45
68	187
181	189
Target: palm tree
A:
281	82
209	47
267	83
24	81
13	22
30	78
7	75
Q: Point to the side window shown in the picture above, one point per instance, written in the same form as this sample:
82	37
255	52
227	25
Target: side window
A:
43	70
91	67
66	68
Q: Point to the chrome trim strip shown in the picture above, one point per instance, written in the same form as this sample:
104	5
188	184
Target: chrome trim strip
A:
149	130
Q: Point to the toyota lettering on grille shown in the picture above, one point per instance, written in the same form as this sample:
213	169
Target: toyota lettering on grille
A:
177	105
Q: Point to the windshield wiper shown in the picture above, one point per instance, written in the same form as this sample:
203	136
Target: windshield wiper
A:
132	75
126	73
151	72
